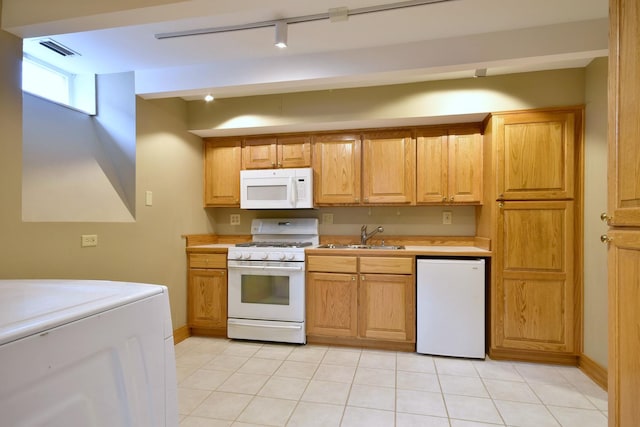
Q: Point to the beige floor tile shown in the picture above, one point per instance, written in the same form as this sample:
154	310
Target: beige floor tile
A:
222	406
337	373
472	409
225	362
284	388
189	399
205	380
574	417
310	414
193	359
260	366
308	353
415	363
372	376
452	366
414	420
466	386
294	369
203	422
326	392
511	390
497	370
244	383
418	381
238	348
537	373
363	417
272	351
465	423
341	357
267	411
374	397
420	402
380	360
183	372
561	395
525	414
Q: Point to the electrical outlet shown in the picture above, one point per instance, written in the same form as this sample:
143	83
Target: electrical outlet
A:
447	217
89	240
327	218
234	219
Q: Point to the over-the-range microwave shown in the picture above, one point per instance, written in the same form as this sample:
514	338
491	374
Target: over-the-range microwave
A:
276	188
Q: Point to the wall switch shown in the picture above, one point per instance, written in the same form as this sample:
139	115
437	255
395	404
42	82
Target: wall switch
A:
327	218
447	217
234	219
148	198
89	240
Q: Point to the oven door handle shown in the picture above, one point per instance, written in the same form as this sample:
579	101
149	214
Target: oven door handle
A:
251	325
264	267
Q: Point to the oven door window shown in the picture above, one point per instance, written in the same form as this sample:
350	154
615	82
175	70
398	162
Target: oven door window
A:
258	289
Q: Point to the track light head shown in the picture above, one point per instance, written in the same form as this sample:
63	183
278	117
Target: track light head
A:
208	97
281	34
480	72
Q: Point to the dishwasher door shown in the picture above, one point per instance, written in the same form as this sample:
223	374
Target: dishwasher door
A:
450	298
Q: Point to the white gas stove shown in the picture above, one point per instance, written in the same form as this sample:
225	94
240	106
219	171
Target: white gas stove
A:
266	287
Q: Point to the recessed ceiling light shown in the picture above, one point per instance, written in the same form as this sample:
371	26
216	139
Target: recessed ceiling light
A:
208	97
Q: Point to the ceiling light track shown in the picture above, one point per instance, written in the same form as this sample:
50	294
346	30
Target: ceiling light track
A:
297	19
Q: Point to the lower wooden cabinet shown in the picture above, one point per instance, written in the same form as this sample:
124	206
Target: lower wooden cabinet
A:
534	299
371	300
207	294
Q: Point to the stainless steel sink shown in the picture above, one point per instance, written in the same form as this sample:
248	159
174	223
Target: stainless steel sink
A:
383	247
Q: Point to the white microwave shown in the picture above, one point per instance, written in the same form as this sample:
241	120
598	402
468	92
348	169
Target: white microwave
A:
276	188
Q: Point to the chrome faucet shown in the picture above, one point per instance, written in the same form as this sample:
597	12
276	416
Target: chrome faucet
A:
364	236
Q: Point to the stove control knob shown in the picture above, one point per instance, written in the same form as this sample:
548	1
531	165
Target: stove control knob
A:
290	257
247	255
264	255
238	255
278	255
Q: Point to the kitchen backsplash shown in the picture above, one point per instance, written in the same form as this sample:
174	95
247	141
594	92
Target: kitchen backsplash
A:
413	220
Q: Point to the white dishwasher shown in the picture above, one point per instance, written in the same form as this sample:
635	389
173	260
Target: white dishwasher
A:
450	299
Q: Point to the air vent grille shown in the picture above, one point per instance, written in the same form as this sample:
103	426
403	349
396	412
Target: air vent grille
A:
57	47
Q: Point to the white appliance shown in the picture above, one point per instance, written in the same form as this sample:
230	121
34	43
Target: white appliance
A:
266	281
451	307
86	354
276	188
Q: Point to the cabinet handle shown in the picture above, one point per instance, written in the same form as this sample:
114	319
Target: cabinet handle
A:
357	199
605	218
451	199
500	205
362	278
366	200
444	199
279	165
273	165
605	239
353	278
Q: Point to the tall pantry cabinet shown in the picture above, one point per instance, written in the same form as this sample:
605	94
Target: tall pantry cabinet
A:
532	212
623	216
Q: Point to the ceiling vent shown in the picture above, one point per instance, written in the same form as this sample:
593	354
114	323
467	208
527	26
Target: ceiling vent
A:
57	47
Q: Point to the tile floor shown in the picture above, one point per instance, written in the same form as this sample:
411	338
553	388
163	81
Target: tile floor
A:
235	383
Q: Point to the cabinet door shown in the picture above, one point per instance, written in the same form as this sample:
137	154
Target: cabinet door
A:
336	170
534	298
387	307
624	132
222	173
332	304
536	154
259	153
432	169
624	324
388	168
207	298
294	152
465	168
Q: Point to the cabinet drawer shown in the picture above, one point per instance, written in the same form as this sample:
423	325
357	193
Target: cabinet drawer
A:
332	264
207	261
393	265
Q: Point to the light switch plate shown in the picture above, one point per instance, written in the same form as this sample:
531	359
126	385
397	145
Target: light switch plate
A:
89	240
447	217
234	219
148	198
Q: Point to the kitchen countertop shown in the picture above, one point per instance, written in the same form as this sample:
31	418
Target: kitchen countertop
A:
433	250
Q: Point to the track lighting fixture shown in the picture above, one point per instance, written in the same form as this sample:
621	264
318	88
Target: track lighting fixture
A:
281	34
480	72
208	97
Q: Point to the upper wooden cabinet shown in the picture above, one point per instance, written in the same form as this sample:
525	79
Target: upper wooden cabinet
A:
535	154
336	169
276	152
388	168
449	167
222	172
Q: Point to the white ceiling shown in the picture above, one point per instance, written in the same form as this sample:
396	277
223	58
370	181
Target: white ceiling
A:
437	41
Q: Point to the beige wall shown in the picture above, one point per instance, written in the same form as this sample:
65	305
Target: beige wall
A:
595	253
148	250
